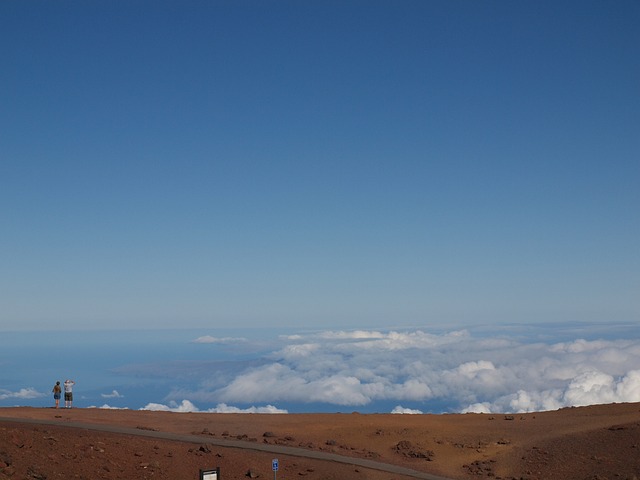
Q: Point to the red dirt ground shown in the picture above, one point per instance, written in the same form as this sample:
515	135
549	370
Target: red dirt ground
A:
588	443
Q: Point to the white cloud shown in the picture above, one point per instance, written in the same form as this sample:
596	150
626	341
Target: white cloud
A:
351	335
302	350
184	407
280	382
598	387
405	411
22	394
473	369
224	408
187	407
587	388
108	407
113	394
484	407
628	388
590	387
580	346
224	340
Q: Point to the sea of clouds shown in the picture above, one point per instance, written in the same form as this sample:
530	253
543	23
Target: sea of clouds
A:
469	373
409	372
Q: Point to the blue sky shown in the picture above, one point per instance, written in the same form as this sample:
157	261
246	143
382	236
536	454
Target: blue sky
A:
318	164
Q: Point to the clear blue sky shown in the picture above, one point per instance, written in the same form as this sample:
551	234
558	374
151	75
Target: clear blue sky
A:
318	163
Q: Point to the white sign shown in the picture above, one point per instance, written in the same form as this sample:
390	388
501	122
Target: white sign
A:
210	474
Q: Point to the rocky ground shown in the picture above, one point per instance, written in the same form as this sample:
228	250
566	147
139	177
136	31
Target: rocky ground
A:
588	443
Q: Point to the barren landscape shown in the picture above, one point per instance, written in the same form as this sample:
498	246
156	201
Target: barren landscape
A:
596	442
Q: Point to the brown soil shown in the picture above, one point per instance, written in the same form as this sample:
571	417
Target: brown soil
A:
597	442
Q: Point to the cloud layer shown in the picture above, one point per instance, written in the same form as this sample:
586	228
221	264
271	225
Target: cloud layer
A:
471	374
187	407
22	394
483	369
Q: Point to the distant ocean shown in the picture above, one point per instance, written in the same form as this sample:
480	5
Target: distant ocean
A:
120	369
411	370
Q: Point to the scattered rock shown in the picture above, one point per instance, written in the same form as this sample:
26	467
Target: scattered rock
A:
251	473
33	473
480	467
10	471
5	458
407	449
614	428
141	427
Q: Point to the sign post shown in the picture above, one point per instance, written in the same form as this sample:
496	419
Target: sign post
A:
210	474
274	466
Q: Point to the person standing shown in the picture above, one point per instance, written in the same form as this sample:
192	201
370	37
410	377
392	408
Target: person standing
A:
57	390
68	393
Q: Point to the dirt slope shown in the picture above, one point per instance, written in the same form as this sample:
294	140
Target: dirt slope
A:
598	442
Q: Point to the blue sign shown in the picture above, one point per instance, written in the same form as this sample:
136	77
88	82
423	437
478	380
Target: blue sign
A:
274	464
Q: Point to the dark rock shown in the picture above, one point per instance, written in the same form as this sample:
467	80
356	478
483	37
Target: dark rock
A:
32	473
5	457
407	449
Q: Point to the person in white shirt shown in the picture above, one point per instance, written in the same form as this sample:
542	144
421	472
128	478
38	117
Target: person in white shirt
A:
68	393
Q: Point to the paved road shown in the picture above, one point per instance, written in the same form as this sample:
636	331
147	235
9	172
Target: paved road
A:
262	447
